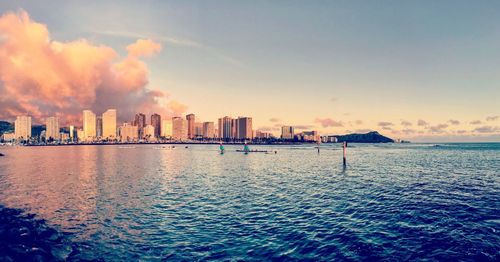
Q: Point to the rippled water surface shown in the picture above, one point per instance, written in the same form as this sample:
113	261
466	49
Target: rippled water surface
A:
397	202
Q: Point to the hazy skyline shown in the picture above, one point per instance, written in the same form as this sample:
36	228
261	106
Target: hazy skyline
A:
423	70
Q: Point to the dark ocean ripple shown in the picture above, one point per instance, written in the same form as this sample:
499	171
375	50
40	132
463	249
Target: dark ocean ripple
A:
392	202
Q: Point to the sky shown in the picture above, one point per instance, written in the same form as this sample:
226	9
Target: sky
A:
417	70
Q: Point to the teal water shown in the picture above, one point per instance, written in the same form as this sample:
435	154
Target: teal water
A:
393	201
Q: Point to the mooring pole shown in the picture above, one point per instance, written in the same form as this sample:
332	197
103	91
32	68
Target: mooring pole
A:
345	147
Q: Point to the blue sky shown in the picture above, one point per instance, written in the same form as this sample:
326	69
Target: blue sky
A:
302	62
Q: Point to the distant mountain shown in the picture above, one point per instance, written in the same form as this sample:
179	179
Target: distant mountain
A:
371	137
37	130
6	127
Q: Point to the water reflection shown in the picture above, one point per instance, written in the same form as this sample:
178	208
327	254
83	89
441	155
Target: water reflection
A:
188	203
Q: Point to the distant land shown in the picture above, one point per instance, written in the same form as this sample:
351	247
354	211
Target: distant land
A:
6	127
370	137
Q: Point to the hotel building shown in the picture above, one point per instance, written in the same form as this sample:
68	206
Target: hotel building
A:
191	125
109	124
52	128
89	125
287	132
179	128
156	123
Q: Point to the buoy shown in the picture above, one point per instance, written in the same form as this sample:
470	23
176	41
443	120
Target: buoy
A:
345	161
246	148
221	147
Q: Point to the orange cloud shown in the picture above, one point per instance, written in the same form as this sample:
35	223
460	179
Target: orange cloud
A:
143	47
177	108
41	77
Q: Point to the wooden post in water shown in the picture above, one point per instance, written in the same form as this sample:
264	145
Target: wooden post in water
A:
345	161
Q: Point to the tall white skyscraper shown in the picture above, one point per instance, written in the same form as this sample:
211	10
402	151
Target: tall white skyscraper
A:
89	125
109	124
166	127
179	128
52	128
72	132
22	127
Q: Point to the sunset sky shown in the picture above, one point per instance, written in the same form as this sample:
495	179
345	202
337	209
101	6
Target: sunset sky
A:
418	70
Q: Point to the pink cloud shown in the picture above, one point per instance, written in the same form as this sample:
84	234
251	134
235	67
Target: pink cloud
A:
328	122
41	77
143	47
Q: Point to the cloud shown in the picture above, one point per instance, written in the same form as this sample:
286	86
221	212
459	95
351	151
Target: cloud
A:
475	122
406	123
268	129
408	131
492	118
177	108
422	123
143	47
42	77
385	124
487	129
328	122
359	122
303	127
334	99
386	128
438	128
454	122
461	131
176	41
274	119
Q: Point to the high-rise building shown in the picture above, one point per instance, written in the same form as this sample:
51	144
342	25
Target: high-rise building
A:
287	132
198	130
72	132
310	136
80	134
52	128
226	127
22	127
98	126
128	132
208	130
156	123
234	128
244	128
179	128
191	125
109	124
140	122
89	125
166	128
149	132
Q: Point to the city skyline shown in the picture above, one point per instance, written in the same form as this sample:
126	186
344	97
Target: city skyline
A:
103	128
314	74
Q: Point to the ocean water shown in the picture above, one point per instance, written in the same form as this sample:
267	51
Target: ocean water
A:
393	202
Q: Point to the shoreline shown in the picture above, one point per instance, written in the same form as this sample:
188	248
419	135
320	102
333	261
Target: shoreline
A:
173	143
